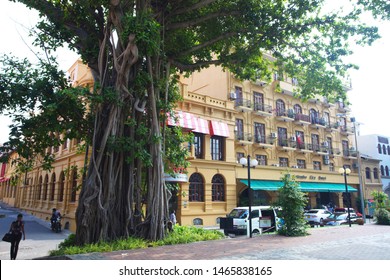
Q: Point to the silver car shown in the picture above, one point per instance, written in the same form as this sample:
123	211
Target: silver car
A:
316	216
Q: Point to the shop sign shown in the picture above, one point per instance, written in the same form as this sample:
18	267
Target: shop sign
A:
311	177
176	178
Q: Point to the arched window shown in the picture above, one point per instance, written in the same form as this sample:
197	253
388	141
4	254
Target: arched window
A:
376	175
387	170
297	109
52	186
368	173
73	191
196	188
382	171
218	188
384	149
45	187
379	148
280	107
39	188
61	187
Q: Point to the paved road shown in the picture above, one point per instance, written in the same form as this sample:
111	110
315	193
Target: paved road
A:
40	239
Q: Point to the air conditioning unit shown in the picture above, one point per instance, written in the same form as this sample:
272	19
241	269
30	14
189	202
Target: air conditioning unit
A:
233	96
293	138
326	160
274	135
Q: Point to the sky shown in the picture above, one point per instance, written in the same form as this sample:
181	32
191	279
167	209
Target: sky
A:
369	97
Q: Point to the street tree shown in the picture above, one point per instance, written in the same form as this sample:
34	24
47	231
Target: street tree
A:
135	50
291	201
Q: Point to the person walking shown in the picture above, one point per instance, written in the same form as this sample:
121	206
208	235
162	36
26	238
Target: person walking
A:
17	230
172	217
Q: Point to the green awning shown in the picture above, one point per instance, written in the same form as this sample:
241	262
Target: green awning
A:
305	186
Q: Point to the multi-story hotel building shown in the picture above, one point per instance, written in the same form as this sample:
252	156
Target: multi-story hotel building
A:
230	119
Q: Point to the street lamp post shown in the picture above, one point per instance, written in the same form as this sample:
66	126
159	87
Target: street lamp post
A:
249	163
359	162
345	171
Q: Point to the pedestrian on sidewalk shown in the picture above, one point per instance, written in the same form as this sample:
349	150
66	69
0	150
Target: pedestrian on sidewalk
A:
17	230
172	217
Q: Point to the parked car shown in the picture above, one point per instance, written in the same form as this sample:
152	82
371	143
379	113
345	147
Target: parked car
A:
342	210
340	219
316	216
264	218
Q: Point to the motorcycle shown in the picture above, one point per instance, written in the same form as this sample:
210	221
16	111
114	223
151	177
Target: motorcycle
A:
56	224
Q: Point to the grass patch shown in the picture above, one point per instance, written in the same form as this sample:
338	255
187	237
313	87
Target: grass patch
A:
180	235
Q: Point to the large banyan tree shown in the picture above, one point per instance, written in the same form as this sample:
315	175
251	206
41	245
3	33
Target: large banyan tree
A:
135	50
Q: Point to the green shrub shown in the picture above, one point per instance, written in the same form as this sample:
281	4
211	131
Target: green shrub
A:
179	235
292	201
382	216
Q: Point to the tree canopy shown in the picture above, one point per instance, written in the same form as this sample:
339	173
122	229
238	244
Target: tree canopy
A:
135	49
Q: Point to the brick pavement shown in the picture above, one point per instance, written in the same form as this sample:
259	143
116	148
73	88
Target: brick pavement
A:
358	242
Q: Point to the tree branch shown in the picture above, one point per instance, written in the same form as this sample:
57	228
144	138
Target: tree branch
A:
185	24
199	5
194	66
206	44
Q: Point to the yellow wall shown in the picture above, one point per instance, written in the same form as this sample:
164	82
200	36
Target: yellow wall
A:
206	95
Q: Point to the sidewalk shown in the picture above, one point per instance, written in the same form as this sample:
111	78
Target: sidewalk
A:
39	237
370	241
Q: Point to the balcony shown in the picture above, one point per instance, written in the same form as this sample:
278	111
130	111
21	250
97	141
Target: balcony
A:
342	108
305	148
326	103
313	100
264	142
335	152
285	115
322	150
243	105
345	130
287	145
244	138
318	123
350	154
302	119
262	110
287	88
332	126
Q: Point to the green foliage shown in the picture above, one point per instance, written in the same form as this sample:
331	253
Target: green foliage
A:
42	105
180	235
382	216
380	199
145	29
292	202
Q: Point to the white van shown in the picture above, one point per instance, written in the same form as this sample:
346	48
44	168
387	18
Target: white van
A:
264	219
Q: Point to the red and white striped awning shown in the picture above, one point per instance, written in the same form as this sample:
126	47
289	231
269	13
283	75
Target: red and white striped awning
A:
201	125
182	119
219	129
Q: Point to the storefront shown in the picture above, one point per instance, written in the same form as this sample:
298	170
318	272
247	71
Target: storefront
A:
265	192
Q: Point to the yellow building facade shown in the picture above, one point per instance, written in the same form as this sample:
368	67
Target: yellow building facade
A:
38	191
230	119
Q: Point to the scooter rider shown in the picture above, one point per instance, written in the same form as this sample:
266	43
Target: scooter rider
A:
55	216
